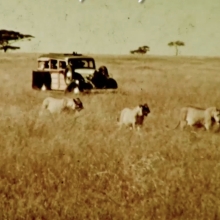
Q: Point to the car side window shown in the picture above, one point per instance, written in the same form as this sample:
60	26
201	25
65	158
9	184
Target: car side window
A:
47	65
53	64
90	64
41	65
62	64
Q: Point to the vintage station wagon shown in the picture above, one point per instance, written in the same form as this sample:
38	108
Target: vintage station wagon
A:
56	71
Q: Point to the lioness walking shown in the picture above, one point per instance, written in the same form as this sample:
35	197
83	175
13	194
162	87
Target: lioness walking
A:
54	105
133	117
192	116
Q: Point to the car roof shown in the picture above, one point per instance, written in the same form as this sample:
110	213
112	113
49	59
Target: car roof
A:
62	56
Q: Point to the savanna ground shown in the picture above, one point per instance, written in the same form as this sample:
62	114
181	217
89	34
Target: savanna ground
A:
82	167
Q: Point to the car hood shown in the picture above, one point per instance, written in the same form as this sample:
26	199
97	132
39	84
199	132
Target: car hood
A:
84	71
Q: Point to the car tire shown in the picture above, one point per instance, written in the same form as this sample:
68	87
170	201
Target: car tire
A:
73	85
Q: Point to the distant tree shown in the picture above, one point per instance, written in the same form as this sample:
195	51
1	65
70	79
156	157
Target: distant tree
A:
141	50
176	44
9	37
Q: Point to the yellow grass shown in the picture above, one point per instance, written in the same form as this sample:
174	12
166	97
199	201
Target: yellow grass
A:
83	167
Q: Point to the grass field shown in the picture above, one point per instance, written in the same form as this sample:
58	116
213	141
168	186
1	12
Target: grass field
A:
82	167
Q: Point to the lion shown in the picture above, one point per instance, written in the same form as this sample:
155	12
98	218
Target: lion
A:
193	116
54	105
133	117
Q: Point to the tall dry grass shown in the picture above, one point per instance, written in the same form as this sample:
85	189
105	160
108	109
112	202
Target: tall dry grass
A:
83	167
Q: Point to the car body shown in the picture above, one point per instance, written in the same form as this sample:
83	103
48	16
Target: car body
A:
57	71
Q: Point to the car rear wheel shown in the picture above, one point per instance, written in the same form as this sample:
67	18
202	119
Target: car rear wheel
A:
72	86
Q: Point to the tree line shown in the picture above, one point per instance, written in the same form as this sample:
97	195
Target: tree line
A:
145	49
8	37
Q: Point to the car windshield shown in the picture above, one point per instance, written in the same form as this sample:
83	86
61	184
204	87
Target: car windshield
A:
82	63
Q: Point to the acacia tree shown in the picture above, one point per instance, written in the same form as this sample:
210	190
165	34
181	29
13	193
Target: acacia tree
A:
176	44
8	37
141	50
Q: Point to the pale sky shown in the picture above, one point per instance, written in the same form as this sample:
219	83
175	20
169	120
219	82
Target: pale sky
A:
115	26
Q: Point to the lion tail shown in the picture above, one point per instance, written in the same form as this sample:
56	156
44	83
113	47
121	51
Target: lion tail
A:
174	127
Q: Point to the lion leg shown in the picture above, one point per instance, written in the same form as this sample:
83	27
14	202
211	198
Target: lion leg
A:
191	123
207	125
139	131
133	125
119	126
183	124
218	125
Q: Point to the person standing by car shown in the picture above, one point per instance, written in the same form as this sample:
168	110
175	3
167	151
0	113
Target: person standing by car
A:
69	73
